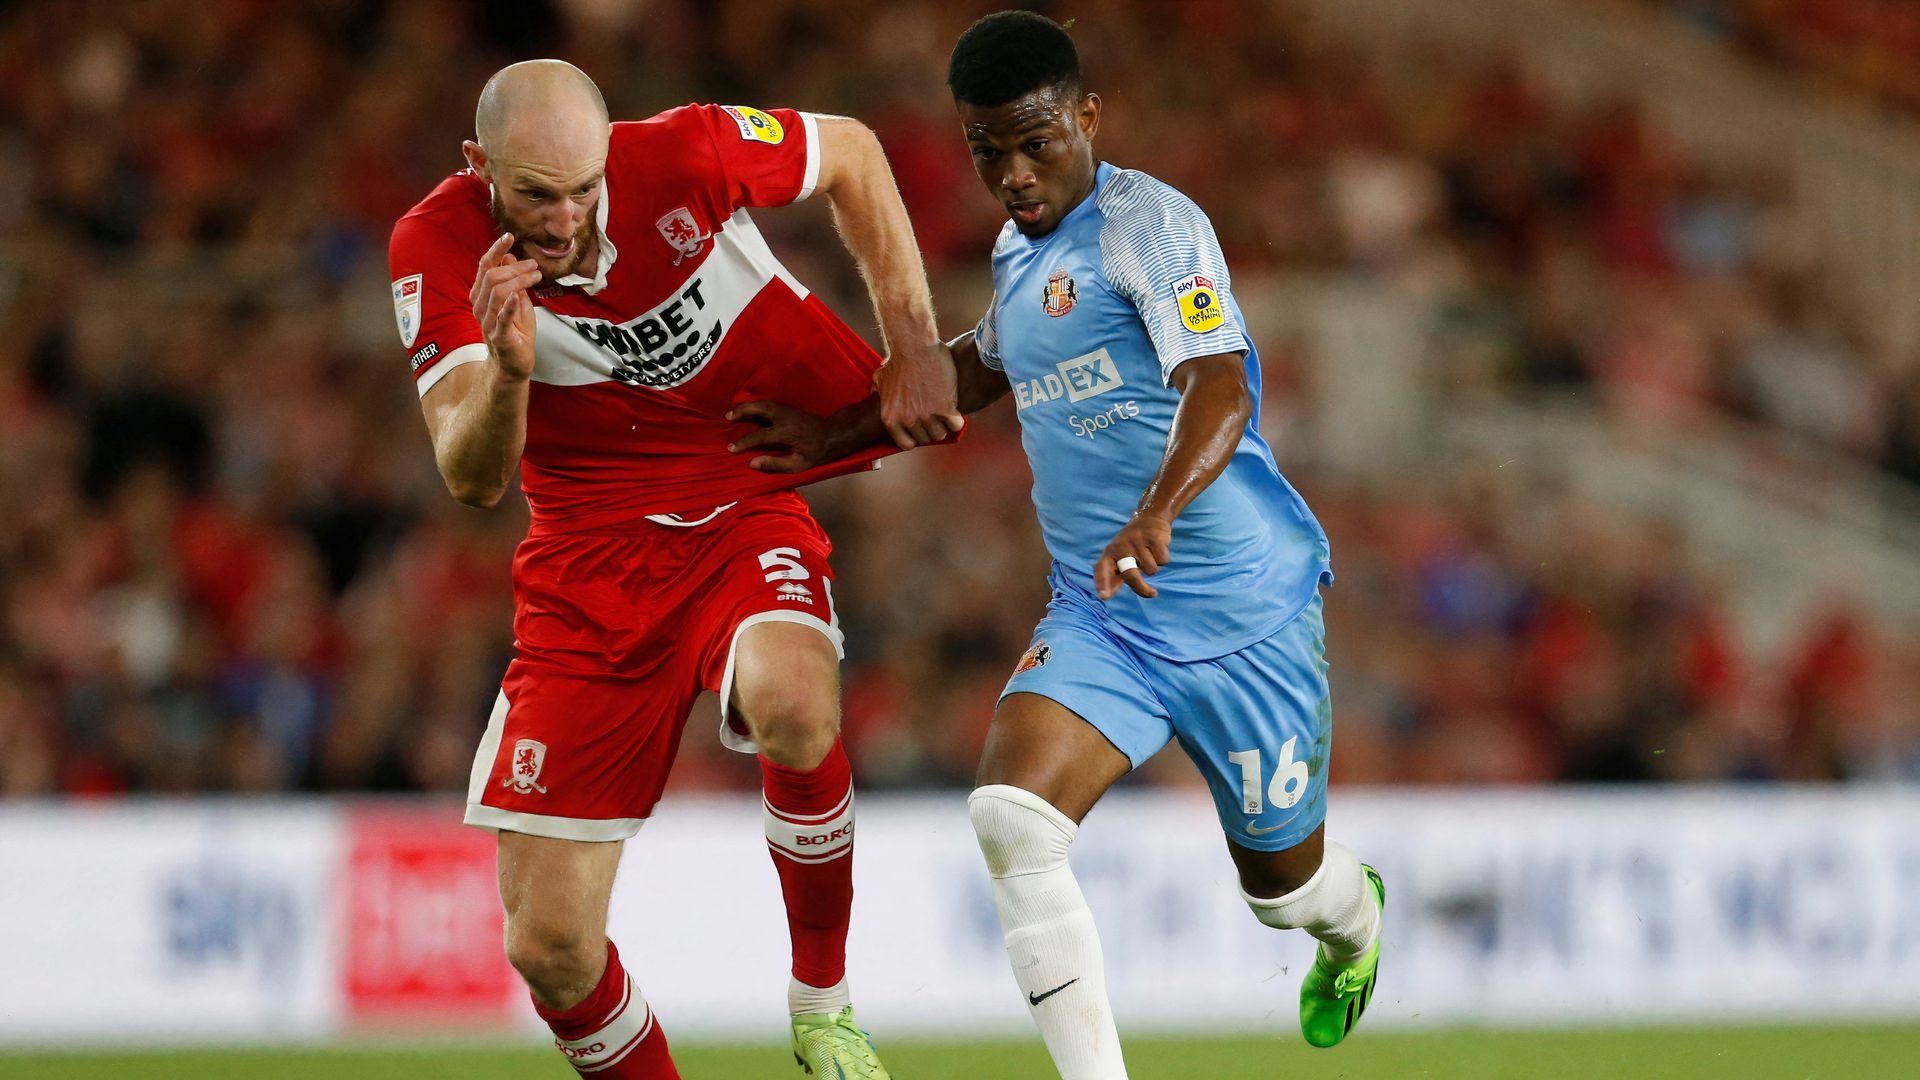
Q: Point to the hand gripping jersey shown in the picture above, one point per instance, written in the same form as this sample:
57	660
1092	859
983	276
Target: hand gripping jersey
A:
686	315
1089	323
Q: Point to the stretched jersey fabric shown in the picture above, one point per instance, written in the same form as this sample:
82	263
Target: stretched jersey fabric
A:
686	315
1089	323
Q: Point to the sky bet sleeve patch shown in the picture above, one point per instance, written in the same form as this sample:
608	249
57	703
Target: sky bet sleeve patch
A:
406	308
756	125
1199	303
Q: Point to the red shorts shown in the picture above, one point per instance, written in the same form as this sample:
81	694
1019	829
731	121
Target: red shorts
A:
616	636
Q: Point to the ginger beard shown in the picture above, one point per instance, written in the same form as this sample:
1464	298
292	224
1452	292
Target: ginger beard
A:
551	269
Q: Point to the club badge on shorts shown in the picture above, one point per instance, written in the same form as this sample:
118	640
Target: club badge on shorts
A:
1035	657
524	774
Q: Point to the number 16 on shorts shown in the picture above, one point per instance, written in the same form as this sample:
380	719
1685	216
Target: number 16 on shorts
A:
1288	785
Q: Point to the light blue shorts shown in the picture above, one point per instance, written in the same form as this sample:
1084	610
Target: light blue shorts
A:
1258	722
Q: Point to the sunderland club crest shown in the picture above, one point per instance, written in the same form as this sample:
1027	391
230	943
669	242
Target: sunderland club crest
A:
523	774
1060	293
1035	657
683	232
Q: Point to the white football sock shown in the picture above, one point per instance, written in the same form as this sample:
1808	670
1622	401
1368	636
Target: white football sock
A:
1050	934
1336	905
802	998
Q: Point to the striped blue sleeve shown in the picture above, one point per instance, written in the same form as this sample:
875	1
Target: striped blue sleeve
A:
1160	252
986	337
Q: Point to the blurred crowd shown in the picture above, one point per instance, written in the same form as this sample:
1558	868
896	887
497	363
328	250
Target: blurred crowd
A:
1863	47
227	562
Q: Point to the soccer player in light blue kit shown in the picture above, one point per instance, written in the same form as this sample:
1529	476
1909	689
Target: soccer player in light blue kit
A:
1186	570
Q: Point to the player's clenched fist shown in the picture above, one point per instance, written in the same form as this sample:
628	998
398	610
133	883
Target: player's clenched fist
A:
918	395
1135	553
503	309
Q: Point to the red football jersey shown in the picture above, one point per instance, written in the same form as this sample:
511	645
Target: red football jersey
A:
688	314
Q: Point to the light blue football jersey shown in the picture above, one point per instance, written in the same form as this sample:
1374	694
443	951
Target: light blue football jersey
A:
1089	323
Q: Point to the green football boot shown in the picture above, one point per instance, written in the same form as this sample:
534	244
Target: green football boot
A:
1333	996
832	1047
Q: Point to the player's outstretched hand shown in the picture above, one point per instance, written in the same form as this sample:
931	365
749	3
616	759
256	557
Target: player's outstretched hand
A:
503	309
1146	542
919	395
802	436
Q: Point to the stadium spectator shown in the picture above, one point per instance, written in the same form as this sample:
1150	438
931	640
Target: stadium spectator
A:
227	564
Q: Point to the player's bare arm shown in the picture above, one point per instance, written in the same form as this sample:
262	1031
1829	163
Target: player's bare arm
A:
917	385
804	440
477	414
1214	407
980	385
798	440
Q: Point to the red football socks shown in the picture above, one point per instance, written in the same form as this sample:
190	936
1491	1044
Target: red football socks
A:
809	819
612	1033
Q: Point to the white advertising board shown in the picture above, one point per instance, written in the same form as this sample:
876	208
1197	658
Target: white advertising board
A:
262	921
152	921
1572	908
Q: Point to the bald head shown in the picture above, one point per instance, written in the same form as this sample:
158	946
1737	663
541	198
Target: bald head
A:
543	139
540	108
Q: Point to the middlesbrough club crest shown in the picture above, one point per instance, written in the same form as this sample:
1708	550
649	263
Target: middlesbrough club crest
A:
1060	293
523	774
683	232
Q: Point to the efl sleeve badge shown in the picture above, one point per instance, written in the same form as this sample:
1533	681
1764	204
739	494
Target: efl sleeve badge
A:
1199	304
406	308
756	126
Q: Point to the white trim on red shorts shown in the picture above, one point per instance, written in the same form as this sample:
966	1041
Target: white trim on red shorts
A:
489	749
732	739
675	521
494	819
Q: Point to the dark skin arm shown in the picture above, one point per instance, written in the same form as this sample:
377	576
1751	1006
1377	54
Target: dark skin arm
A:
980	385
804	440
1214	407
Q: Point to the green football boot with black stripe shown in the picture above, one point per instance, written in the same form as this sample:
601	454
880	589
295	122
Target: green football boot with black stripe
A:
831	1046
1334	996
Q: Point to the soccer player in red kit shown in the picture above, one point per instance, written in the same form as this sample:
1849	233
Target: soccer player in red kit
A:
589	301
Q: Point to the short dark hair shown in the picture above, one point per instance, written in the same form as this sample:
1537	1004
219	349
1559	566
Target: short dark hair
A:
1010	54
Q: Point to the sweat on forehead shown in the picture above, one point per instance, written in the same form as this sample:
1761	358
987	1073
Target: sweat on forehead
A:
1037	109
543	108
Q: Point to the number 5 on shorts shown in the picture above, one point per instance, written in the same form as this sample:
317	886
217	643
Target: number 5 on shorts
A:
783	564
1289	779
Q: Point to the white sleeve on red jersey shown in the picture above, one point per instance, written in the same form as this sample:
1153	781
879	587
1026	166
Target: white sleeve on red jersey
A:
767	157
431	281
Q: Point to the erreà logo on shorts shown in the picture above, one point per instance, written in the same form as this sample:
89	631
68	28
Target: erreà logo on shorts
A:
1084	376
523	771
